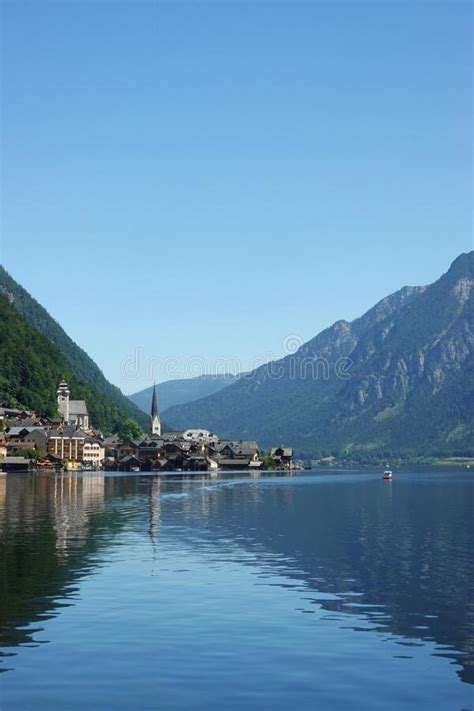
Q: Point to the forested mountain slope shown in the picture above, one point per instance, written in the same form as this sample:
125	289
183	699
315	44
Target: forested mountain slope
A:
398	380
79	363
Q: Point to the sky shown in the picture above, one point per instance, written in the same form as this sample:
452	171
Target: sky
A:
195	187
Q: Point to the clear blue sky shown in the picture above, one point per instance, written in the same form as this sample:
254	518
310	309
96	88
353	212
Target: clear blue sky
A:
202	179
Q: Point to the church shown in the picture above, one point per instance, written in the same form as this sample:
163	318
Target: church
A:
155	422
73	412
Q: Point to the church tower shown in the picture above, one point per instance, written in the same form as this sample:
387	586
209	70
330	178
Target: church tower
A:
63	400
155	423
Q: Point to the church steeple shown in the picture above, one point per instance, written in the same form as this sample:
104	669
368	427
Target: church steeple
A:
155	424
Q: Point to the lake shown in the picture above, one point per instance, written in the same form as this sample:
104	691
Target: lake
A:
321	590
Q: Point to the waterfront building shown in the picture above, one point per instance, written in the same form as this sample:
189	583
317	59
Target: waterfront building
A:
93	452
282	457
238	449
27	438
67	443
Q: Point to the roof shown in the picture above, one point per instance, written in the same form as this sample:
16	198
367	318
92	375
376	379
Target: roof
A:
150	444
113	439
286	451
128	458
77	407
134	442
240	448
67	432
28	422
15	431
15	460
10	410
197	434
183	446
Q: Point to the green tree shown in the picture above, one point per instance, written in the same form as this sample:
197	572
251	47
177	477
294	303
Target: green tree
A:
267	460
130	429
28	453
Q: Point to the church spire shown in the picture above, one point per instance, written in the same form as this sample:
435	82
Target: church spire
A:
155	424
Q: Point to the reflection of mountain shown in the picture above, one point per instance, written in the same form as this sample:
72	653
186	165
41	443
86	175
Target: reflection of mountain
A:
404	553
403	549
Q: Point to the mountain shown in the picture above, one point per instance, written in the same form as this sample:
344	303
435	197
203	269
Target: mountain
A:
396	381
178	392
79	364
31	368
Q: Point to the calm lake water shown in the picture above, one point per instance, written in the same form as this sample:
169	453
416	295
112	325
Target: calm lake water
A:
315	591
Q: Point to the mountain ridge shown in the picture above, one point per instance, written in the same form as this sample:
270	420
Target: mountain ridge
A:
407	350
181	391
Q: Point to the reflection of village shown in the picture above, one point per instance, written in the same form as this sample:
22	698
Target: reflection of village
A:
70	442
70	502
66	526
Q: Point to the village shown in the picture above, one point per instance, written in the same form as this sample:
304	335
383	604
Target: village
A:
69	442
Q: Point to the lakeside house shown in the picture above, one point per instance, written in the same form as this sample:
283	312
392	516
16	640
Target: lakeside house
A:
282	456
15	464
70	442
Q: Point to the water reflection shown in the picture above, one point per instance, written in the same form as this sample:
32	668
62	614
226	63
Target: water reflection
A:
393	560
397	555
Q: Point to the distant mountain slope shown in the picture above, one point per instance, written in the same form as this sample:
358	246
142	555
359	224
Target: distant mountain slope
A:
31	368
398	380
80	364
178	392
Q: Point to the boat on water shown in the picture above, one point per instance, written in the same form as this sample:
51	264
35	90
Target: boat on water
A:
387	475
135	469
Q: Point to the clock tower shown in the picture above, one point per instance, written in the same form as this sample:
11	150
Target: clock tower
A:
63	400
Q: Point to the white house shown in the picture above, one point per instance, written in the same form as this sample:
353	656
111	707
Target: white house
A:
199	436
93	452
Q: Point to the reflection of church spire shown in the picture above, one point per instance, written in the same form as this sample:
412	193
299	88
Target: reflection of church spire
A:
155	506
155	424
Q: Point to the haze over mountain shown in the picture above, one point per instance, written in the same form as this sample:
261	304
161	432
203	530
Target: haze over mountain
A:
397	380
108	406
180	391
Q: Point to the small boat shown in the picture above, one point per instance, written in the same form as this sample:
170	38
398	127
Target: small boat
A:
387	474
135	469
